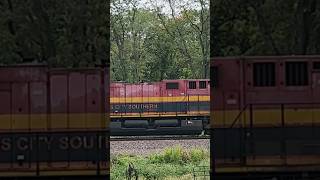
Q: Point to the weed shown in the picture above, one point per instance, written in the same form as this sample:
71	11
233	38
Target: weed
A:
171	163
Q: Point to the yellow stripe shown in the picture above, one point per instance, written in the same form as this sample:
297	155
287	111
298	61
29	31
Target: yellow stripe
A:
54	121
268	117
171	114
158	99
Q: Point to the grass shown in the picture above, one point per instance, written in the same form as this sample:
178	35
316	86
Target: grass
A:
172	163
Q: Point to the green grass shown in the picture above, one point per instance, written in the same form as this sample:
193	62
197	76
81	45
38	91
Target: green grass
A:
172	163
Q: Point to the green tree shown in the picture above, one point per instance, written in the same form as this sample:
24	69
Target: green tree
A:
60	33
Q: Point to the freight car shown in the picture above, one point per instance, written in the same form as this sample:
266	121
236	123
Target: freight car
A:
53	122
166	107
266	116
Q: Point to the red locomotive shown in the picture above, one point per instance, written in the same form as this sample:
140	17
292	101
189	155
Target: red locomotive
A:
166	107
53	122
266	115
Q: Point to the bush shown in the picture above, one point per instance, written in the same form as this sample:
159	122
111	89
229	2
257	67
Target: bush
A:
173	155
172	162
197	155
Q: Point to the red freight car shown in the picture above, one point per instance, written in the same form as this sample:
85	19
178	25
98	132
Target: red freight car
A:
166	107
266	115
53	122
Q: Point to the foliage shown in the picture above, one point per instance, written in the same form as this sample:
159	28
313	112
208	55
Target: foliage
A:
60	33
176	155
266	27
171	163
148	45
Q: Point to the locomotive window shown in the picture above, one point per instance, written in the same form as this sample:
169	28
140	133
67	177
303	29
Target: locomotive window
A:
296	73
172	86
202	84
264	74
192	85
316	65
214	77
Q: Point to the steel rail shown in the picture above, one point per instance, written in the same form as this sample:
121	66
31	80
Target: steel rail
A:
151	138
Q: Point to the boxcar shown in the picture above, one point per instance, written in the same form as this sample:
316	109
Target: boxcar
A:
53	122
165	107
265	115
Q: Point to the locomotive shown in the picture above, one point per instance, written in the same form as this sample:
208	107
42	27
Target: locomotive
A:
165	107
265	116
54	122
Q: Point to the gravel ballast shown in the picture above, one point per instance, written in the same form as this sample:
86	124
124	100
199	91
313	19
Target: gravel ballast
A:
145	147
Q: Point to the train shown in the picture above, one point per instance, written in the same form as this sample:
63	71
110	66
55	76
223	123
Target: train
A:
157	108
54	122
265	117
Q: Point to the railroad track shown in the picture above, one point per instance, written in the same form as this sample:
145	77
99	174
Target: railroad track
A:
145	138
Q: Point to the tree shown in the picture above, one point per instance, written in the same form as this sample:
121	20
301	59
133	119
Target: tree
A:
60	33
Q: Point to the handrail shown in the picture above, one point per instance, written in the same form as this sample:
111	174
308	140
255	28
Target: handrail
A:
275	104
238	116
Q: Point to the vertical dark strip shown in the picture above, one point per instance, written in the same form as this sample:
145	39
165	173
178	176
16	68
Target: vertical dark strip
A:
99	150
259	72
261	75
306	73
29	120
11	120
290	74
37	154
68	101
48	100
213	76
286	74
107	86
68	114
86	109
263	72
103	106
251	132
283	142
49	107
288	69
273	75
297	72
255	75
85	99
29	106
300	73
269	74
